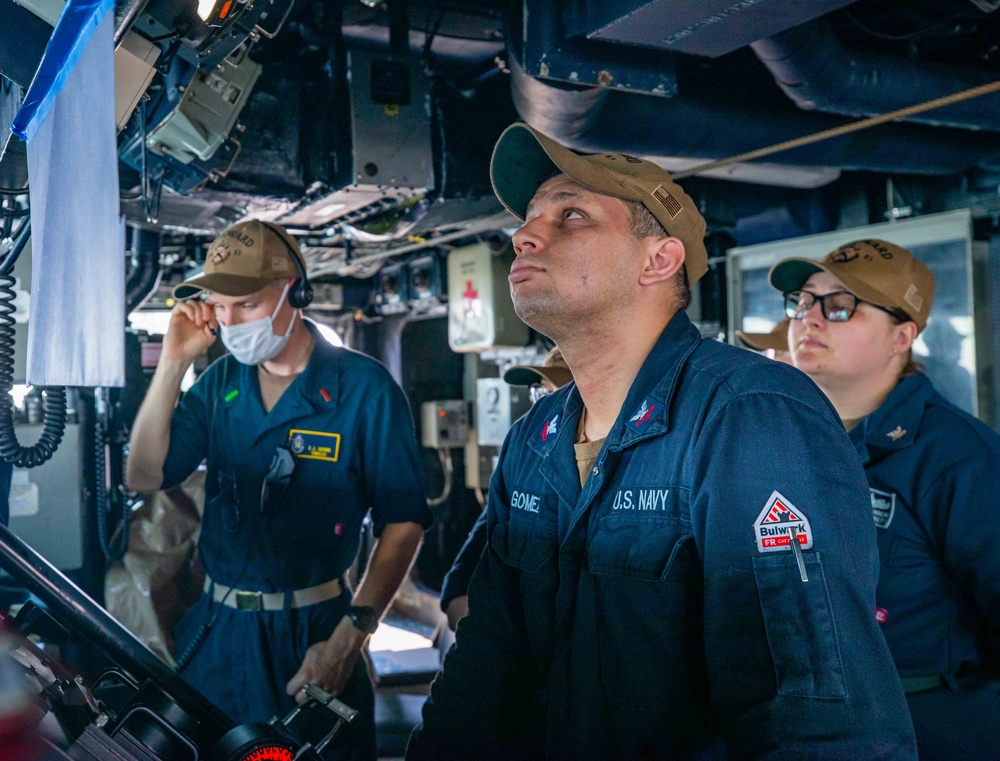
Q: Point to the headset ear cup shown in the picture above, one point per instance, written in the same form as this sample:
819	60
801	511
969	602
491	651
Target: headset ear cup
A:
301	294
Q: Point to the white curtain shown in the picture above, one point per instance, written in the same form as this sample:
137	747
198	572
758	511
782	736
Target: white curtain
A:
76	324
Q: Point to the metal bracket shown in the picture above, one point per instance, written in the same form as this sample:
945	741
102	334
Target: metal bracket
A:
547	53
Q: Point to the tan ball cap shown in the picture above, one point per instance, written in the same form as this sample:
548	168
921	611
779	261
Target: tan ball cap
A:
524	158
875	271
777	339
553	369
243	259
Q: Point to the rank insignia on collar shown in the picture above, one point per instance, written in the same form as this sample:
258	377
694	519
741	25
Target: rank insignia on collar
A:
897	433
641	415
550	427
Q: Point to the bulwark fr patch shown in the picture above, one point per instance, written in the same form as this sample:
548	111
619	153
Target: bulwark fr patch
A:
777	522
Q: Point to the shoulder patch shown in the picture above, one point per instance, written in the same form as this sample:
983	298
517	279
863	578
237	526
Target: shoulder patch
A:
776	522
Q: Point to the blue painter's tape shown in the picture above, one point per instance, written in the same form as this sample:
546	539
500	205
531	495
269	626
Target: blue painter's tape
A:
77	23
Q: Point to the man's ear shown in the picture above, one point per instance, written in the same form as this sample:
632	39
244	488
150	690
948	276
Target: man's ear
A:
662	260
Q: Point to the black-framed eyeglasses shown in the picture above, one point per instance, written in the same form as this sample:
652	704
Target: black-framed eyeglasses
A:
838	306
279	476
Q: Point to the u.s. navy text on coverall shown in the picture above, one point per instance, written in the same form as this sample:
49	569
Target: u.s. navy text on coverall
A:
659	612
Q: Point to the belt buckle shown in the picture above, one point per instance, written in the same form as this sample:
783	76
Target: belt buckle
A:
249	600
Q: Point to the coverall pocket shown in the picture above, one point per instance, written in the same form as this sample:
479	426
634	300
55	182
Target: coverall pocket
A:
228	512
639	547
801	631
528	543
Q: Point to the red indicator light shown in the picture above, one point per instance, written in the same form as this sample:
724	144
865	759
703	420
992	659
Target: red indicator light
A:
270	753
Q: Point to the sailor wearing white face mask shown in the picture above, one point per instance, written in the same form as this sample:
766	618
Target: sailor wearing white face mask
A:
301	438
255	342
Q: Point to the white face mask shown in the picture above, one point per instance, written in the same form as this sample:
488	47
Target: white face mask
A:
252	343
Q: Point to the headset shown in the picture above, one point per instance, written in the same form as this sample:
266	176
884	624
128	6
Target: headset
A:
300	295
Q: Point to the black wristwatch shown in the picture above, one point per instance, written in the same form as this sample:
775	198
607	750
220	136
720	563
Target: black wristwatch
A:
364	618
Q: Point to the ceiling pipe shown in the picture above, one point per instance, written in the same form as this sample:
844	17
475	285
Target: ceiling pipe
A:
813	69
126	12
146	273
591	120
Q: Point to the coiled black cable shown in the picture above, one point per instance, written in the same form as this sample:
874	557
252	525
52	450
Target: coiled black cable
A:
53	406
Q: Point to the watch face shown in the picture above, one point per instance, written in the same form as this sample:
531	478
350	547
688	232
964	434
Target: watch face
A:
363	617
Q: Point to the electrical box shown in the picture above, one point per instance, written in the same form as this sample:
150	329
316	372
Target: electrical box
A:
444	424
389	157
498	405
480	311
390	122
393	289
135	61
206	112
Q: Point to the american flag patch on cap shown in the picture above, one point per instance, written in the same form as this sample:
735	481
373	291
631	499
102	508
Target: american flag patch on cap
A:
671	204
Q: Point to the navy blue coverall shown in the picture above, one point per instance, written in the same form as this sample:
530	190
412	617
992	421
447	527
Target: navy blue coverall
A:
659	613
456	581
351	427
934	475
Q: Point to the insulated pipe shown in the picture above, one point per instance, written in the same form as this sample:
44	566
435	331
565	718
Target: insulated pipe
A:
126	12
591	120
76	611
145	274
813	69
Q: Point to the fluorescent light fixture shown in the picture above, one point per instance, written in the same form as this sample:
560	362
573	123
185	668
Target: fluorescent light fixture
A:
330	209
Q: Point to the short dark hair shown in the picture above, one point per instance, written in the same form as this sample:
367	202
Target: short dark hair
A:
642	224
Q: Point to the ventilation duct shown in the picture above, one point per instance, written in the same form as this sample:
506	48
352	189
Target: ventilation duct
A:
666	130
144	278
698	27
817	73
